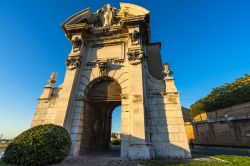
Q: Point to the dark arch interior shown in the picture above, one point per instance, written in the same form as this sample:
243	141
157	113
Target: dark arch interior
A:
102	96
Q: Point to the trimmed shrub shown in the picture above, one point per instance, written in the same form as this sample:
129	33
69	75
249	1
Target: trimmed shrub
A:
40	145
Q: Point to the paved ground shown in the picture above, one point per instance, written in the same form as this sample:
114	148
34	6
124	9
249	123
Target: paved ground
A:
112	158
100	158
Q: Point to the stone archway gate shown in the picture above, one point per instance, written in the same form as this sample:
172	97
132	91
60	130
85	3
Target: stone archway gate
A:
115	43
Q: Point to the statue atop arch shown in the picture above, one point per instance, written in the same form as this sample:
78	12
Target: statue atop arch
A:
106	14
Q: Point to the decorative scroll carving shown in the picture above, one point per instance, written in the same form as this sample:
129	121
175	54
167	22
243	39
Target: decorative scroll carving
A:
73	62
135	56
103	67
166	71
106	15
135	35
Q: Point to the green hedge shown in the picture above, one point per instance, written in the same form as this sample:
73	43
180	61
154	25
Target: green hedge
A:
227	95
40	145
116	142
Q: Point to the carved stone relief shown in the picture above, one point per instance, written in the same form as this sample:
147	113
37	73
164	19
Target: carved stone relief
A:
103	67
113	61
73	62
135	56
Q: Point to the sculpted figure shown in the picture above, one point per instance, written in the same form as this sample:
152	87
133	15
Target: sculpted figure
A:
135	37
52	78
76	43
106	15
166	71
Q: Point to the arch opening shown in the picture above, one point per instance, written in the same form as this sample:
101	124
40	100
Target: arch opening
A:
116	129
101	97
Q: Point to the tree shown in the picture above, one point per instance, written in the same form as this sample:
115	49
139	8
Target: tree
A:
229	94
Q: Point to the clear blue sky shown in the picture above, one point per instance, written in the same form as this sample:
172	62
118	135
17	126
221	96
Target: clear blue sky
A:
207	43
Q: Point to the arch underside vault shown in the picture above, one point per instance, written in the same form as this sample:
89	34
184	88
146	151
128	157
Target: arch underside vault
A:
102	96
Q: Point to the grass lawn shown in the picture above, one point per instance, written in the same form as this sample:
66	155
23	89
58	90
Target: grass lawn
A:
1	163
235	160
232	161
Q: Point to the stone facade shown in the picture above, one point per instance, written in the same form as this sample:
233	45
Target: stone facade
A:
109	66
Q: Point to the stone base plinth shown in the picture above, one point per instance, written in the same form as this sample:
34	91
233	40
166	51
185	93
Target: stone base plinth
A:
139	151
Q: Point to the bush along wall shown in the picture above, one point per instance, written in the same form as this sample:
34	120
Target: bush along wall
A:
40	145
227	95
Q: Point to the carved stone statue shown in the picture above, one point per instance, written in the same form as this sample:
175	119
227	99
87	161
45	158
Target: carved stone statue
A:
52	78
76	44
135	37
106	15
166	71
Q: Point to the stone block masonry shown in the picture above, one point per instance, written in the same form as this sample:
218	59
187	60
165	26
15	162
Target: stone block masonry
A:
108	66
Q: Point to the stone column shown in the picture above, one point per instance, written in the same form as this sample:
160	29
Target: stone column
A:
138	147
178	144
67	93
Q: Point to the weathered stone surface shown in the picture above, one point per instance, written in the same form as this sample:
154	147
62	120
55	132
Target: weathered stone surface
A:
224	127
106	67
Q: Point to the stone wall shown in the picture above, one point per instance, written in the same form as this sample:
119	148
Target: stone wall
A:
164	119
189	130
240	111
226	127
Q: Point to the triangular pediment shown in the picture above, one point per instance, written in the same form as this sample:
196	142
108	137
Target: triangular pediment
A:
78	17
